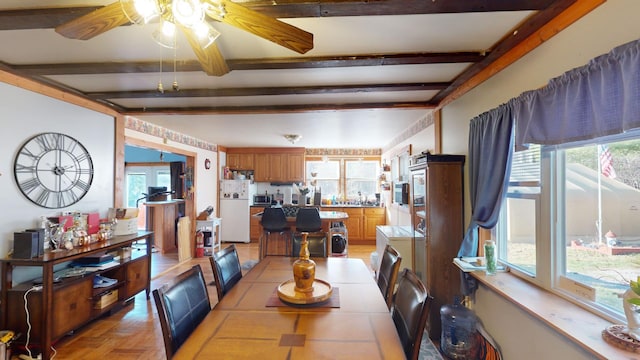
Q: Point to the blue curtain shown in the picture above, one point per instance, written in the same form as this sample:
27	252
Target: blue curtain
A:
490	149
598	99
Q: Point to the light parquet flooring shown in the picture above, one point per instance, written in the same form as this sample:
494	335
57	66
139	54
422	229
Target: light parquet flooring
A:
133	332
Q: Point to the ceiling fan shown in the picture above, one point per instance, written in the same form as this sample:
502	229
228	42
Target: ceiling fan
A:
184	14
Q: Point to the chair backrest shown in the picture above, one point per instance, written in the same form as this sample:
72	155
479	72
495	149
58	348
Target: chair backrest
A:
226	269
316	244
388	272
273	219
308	219
182	304
409	310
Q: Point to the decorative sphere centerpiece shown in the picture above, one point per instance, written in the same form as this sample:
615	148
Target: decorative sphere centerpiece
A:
304	269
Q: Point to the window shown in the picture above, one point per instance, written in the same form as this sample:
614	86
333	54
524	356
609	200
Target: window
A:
585	244
327	176
361	178
136	185
139	178
517	227
345	180
601	213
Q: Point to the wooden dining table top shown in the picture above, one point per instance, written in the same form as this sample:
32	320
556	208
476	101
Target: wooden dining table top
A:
243	326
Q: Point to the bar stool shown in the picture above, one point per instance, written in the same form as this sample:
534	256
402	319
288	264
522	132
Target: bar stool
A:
273	221
308	220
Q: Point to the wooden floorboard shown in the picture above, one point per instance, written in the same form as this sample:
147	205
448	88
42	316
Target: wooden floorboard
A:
133	332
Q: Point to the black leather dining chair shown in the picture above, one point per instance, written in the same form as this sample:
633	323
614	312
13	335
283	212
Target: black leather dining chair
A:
226	269
388	272
273	220
409	311
308	220
182	304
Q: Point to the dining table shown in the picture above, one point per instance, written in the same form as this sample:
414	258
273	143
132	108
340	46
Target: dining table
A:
252	322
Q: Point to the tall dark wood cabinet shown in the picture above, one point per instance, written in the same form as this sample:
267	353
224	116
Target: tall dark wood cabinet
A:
437	218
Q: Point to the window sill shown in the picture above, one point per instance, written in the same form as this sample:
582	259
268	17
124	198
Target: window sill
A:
575	323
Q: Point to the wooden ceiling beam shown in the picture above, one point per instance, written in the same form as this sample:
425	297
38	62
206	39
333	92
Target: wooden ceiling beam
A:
252	64
274	109
258	91
46	18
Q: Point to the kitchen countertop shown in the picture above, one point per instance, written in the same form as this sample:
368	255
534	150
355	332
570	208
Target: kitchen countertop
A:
333	206
350	205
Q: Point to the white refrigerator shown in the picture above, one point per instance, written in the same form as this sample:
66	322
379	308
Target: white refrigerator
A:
236	197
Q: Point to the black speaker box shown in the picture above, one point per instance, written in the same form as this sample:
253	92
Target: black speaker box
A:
25	245
41	239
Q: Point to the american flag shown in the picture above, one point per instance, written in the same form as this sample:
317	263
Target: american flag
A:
606	162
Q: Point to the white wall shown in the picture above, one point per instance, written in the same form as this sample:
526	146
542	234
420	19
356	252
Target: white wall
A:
26	114
612	24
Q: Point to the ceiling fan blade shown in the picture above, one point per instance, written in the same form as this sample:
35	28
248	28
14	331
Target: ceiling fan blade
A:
210	58
94	23
267	27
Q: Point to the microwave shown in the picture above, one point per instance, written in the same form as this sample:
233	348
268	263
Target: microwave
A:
401	193
262	199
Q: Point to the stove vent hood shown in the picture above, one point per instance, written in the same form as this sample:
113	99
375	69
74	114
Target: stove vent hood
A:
281	183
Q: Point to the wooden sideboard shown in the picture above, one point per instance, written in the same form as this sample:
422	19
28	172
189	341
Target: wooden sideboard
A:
59	306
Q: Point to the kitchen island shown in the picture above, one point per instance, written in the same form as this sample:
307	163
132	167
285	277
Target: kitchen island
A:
161	219
277	244
361	221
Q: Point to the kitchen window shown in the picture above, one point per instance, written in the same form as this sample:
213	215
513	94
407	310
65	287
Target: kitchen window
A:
346	179
576	230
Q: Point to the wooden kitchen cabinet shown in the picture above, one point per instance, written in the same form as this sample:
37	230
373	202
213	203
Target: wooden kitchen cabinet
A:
295	167
269	164
436	206
268	168
58	308
362	222
354	224
372	218
240	161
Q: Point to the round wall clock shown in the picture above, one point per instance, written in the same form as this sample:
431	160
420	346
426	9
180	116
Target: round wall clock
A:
53	170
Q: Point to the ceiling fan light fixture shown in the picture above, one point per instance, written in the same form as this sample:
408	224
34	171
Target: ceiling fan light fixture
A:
140	11
188	12
206	34
292	138
215	10
165	35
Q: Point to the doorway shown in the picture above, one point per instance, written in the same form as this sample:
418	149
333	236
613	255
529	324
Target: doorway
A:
147	164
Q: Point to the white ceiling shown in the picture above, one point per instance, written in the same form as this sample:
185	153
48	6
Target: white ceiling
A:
362	118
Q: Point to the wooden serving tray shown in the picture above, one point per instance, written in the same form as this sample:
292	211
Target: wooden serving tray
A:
322	291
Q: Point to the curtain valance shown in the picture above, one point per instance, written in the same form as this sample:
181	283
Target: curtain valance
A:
599	99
